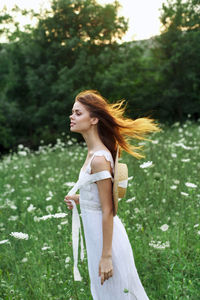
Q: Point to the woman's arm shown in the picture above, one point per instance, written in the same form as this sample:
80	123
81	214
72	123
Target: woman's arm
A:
68	199
105	194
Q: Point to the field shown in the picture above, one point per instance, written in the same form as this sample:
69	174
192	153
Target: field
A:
160	213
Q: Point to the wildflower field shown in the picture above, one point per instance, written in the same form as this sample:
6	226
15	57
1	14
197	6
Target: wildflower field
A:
160	213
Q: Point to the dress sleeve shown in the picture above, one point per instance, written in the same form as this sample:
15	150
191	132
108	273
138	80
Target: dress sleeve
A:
100	176
107	156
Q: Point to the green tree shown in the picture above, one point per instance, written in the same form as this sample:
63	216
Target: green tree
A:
50	63
177	56
130	76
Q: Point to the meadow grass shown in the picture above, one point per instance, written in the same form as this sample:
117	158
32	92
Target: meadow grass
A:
160	213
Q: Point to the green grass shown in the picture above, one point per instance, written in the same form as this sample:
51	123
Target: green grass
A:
34	185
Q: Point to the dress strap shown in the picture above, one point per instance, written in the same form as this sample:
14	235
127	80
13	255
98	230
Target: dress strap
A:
76	228
90	178
76	225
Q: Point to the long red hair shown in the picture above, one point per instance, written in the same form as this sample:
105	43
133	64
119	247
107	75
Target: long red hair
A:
113	127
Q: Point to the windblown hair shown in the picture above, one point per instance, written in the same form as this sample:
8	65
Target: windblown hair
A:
113	127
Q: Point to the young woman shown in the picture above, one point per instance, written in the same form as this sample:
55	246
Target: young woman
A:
112	271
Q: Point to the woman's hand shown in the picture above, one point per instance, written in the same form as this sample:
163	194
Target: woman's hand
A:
69	202
105	268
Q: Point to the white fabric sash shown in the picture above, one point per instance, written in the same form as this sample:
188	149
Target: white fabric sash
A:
123	183
76	225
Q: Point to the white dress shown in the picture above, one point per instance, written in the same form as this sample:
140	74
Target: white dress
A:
125	282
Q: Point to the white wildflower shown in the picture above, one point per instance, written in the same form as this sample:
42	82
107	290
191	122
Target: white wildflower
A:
174	155
146	164
48	198
139	227
60	215
69	143
45	248
25	259
31	208
184	194
173	187
130	200
189	184
69	183
22	153
20	146
67	259
49	208
176	124
19	235
45	217
59	209
159	244
51	179
4	241
196	225
164	227
141	143
57	215
64	222
136	210
13	206
185	159
198	232
12	218
176	181
182	146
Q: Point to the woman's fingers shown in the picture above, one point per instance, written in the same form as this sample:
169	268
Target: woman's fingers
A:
69	197
102	278
102	275
69	203
72	197
99	270
106	276
105	270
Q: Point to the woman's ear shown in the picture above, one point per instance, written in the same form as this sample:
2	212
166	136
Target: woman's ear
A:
94	121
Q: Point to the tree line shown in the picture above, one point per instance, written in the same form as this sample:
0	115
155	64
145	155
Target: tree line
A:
75	46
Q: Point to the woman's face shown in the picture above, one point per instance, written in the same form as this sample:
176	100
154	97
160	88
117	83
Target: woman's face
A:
80	118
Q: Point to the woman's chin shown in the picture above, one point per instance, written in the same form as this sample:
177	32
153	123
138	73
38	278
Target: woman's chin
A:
73	129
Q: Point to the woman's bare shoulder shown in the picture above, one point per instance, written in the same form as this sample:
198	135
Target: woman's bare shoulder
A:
100	162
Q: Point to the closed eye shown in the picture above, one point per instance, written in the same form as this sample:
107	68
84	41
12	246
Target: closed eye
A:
77	112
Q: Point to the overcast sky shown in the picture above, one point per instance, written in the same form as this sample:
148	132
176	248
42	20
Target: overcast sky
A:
143	15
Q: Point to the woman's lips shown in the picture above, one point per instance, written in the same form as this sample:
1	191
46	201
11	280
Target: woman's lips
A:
71	124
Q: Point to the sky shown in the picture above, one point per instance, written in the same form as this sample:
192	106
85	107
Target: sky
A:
143	15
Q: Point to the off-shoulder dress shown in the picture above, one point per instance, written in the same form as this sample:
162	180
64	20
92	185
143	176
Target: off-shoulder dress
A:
125	282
